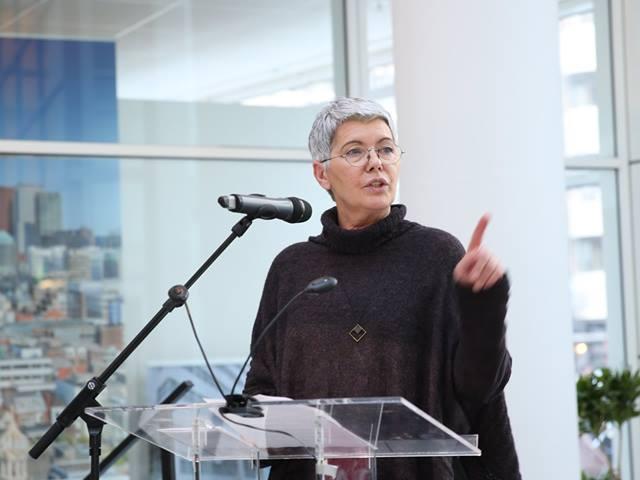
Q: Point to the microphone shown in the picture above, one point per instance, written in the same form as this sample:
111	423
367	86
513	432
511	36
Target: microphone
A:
290	209
239	403
321	285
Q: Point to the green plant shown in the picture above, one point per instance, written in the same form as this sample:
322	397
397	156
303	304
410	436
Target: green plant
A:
607	476
608	398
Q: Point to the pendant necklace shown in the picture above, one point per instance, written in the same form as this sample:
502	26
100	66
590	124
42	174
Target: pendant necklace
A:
357	332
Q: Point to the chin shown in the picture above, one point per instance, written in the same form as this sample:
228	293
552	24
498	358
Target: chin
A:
379	204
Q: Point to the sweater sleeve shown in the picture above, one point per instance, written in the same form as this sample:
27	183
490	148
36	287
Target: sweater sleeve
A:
482	365
261	377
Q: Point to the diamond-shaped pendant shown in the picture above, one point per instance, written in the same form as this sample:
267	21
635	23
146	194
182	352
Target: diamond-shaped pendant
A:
357	332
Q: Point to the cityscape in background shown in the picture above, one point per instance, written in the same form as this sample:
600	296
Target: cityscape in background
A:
60	324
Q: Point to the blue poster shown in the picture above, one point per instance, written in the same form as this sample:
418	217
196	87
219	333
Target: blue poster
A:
61	90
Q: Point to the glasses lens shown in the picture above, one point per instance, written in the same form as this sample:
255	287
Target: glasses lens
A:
386	154
355	156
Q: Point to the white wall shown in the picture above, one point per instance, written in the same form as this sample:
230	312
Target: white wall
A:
478	96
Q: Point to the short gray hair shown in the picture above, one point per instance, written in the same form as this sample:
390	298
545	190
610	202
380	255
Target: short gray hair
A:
335	114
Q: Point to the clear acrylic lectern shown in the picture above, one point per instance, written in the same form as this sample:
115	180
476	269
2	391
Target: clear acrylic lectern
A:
321	430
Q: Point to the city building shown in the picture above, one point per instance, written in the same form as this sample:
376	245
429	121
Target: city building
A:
24	216
31	409
76	238
48	213
86	263
8	254
14	446
112	259
99	301
111	336
46	261
26	375
6	208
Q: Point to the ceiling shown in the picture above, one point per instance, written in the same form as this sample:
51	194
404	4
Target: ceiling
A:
188	50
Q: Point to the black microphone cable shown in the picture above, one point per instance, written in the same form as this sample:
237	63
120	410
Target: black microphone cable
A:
261	336
309	450
317	286
204	355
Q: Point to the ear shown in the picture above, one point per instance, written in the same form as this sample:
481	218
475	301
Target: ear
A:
320	173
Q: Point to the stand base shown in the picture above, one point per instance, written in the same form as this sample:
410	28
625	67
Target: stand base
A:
240	405
94	426
196	468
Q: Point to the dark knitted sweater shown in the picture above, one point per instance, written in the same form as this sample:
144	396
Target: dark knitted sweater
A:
439	346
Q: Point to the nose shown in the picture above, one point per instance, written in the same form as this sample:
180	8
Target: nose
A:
372	153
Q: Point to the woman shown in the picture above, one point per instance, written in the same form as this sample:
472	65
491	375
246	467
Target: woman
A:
413	315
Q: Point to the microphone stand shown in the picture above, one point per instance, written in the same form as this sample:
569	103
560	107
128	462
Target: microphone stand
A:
178	295
166	458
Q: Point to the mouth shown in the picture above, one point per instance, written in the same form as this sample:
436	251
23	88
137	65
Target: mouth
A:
377	183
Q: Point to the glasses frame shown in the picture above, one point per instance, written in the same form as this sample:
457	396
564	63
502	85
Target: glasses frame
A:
344	155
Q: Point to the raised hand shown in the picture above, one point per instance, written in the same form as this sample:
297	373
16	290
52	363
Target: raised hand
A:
479	269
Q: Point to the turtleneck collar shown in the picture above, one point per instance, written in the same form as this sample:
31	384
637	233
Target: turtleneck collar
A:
361	240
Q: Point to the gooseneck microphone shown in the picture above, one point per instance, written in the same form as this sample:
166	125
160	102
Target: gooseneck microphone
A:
290	209
238	403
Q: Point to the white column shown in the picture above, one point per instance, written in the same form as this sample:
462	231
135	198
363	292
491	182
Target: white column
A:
479	113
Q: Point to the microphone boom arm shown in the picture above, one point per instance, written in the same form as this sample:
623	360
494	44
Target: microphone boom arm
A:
239	403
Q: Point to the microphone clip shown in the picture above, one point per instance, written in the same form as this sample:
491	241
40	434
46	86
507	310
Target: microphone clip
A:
178	295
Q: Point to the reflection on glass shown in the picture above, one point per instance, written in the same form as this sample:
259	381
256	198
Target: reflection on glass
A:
596	300
380	54
585	66
60	299
79	238
193	72
594	270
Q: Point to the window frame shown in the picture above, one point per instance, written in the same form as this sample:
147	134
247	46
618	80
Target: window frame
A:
620	163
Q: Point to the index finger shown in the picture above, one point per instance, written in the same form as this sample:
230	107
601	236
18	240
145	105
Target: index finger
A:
478	233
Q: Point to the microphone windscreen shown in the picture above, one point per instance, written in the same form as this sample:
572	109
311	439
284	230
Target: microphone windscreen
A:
321	285
301	210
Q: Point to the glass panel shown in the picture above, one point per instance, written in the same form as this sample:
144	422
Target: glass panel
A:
595	283
380	54
161	379
88	249
60	298
586	72
595	270
336	428
194	72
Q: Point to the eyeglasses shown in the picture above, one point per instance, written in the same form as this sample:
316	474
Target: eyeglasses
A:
357	156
